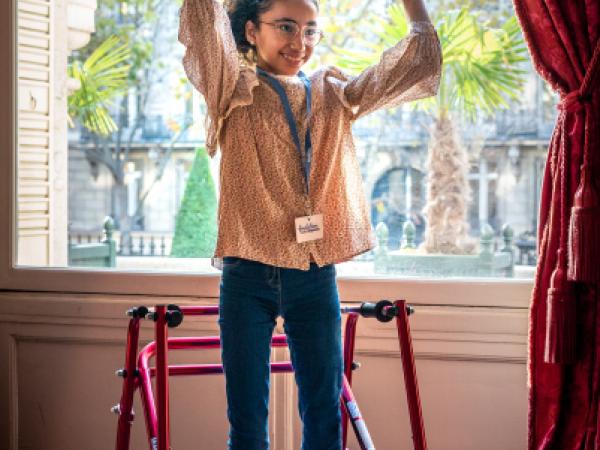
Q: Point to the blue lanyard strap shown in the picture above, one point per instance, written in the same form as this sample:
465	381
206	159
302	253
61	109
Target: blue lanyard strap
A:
306	158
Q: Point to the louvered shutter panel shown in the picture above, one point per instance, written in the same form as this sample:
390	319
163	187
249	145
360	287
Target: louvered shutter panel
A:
34	158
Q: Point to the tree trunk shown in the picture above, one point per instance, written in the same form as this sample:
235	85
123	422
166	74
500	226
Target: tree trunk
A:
448	192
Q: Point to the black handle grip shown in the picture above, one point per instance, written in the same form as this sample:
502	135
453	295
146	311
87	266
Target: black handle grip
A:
138	312
377	310
174	316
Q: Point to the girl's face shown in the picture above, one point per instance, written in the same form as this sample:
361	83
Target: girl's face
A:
276	52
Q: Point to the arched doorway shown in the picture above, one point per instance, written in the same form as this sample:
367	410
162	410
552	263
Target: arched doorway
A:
399	193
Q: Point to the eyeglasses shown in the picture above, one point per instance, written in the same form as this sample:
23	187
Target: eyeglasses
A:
289	31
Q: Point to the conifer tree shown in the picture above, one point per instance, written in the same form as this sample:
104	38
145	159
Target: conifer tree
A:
196	222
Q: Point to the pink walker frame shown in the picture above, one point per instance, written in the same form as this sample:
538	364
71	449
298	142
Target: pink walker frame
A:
137	373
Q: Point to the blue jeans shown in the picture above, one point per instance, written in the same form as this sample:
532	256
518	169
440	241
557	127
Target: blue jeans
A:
252	296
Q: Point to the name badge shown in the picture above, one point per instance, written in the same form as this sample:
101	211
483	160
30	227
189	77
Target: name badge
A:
309	228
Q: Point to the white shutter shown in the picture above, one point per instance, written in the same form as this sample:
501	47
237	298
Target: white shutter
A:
34	159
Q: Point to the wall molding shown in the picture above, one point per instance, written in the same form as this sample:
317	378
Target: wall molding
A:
444	337
443	332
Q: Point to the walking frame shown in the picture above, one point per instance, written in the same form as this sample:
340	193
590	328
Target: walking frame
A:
137	373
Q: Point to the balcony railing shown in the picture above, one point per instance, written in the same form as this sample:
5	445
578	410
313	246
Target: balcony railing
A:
142	243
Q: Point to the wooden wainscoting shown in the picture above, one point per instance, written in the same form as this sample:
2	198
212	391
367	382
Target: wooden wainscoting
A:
59	353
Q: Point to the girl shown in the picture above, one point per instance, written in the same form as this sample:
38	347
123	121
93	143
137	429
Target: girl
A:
291	196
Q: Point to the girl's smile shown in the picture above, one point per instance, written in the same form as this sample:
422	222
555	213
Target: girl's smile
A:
295	61
282	34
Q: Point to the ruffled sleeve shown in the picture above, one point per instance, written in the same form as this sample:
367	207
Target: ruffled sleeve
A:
211	60
410	70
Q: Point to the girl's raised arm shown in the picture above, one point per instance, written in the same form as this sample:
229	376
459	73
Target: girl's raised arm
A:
211	58
410	70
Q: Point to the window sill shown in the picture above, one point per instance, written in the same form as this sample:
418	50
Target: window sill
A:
204	282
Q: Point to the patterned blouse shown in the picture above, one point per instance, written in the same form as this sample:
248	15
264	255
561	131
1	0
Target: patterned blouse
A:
261	176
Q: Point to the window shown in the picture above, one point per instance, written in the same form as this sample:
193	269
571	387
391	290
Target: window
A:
68	180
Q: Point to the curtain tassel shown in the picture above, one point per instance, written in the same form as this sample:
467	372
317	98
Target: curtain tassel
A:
584	232
560	320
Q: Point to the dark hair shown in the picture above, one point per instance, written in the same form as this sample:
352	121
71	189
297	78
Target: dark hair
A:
240	12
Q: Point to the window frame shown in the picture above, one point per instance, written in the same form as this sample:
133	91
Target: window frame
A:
509	293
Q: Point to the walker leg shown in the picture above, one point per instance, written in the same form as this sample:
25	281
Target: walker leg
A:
360	428
349	340
129	374
162	378
410	376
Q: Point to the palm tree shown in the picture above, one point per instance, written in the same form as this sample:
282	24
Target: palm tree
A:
481	71
101	77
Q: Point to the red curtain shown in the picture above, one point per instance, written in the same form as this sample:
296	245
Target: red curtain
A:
564	342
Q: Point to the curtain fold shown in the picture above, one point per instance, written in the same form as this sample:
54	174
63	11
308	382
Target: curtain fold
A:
564	345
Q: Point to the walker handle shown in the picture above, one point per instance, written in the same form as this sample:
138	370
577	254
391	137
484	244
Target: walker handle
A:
173	315
377	310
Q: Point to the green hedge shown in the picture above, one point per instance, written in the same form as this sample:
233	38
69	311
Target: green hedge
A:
196	222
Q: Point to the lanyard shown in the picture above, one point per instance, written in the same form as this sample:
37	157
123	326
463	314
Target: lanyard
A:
306	158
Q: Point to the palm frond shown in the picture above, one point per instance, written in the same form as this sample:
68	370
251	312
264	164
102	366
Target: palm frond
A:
102	77
482	65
